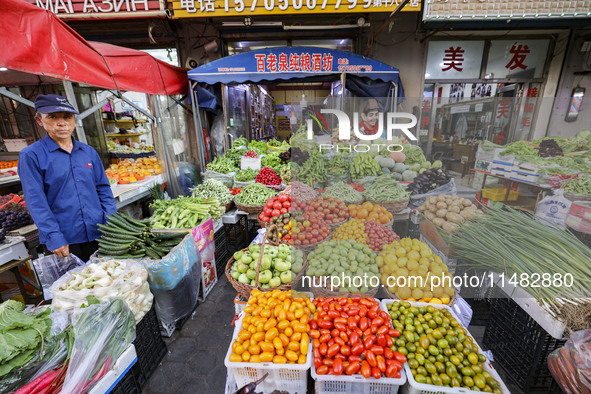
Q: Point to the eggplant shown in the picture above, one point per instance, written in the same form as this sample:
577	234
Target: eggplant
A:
250	388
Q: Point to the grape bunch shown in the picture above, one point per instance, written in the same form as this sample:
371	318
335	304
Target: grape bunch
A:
12	220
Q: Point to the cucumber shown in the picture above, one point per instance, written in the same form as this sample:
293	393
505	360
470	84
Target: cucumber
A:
112	253
124	225
152	254
108	230
121	238
170	235
112	247
132	221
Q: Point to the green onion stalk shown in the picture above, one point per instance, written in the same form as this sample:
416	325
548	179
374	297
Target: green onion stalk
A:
506	240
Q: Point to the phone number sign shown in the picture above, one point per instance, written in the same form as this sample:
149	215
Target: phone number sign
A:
213	8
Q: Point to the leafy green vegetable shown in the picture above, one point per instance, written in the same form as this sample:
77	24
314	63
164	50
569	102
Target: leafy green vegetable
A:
518	148
246	175
223	165
235	155
212	188
271	160
239	142
414	155
488	146
260	145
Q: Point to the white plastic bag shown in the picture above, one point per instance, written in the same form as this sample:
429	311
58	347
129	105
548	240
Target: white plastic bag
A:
554	208
417	200
50	268
463	311
105	279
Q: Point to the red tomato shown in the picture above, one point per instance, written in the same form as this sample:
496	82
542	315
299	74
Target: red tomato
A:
314	333
283	210
376	373
381	340
367	342
389	341
314	324
381	363
325	324
282	198
277	205
323	349
286	204
333	350
353	368
391	370
322	370
371	358
328	361
363	323
388	353
339	340
353	358
340	327
353	338
317	362
345	350
357	349
365	369
378	321
324	338
382	330
333	314
400	357
394	362
377	350
338	366
394	333
276	212
384	316
351	322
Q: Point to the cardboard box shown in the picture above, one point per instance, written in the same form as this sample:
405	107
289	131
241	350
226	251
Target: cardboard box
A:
509	159
483	166
16	145
500	172
524	177
435	235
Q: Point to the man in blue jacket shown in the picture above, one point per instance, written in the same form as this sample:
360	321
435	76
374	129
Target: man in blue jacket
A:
65	186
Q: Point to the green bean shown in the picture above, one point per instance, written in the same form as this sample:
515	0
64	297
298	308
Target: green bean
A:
386	189
254	194
343	192
580	185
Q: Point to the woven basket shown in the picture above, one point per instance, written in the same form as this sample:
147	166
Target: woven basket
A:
393	207
324	292
245	289
309	248
261	223
577	197
228	206
249	208
333	227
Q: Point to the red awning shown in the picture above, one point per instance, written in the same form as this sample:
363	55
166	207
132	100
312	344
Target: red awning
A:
36	41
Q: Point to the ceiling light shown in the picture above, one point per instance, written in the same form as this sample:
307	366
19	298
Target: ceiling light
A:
360	21
247	21
3	69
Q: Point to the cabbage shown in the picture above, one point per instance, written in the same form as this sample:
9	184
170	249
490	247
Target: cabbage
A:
414	155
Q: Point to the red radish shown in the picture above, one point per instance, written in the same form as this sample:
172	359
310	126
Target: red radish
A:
39	383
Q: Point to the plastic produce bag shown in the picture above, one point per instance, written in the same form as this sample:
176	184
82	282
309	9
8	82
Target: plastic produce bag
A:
108	278
463	310
241	184
226	179
554	208
417	200
103	332
50	268
571	364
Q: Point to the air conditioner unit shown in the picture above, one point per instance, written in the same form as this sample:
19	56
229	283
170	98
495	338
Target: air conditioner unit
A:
191	63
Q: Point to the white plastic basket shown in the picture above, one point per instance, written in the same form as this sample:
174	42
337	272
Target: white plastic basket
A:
292	378
412	387
356	384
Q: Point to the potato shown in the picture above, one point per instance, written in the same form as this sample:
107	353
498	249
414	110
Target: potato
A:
422	208
467	214
441	213
449	202
432	200
441	197
433	208
429	215
450	227
454	217
441	205
439	222
455	197
455	209
466	202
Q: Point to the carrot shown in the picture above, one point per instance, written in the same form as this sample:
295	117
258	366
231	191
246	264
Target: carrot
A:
41	381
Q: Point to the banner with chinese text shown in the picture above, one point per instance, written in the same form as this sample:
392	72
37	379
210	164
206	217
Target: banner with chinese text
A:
216	8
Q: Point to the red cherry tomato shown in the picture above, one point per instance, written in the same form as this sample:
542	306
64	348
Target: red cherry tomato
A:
338	366
371	358
381	363
391	370
323	349
365	369
322	370
353	368
400	357
333	350
388	353
376	373
381	340
377	350
317	362
357	349
363	323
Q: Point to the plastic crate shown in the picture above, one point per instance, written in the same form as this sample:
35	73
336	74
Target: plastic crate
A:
149	346
520	345
222	254
252	227
236	235
292	378
356	384
412	387
127	385
498	194
480	311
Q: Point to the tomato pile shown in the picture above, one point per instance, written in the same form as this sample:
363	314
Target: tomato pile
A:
235	191
369	211
268	177
309	228
332	210
250	153
275	206
352	336
274	329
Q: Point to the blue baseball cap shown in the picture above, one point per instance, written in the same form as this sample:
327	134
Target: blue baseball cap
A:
50	103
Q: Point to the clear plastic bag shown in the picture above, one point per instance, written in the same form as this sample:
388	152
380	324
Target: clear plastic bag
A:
103	332
241	184
417	200
104	279
571	364
50	268
463	310
226	179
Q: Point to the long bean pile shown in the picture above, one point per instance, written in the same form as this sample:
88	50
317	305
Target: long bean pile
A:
580	185
313	169
254	194
213	188
343	192
386	189
512	242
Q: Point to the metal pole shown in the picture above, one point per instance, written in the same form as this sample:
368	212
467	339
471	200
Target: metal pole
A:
343	82
121	97
197	124
432	121
169	163
16	97
90	110
72	99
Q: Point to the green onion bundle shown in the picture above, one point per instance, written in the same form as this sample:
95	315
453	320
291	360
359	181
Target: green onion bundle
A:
511	242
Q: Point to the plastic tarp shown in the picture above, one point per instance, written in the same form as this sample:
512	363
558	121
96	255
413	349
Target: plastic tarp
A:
288	63
35	41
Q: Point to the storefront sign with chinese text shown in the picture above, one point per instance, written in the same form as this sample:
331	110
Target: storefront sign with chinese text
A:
99	8
454	59
517	58
214	8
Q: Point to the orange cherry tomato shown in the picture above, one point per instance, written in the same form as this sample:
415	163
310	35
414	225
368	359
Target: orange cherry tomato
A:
371	358
353	368
365	369
322	370
338	366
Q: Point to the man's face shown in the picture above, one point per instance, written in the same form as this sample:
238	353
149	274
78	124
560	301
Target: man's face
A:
371	118
59	125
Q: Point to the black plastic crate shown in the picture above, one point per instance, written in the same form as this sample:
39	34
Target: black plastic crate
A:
221	251
480	311
520	345
127	385
252	226
149	346
237	235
